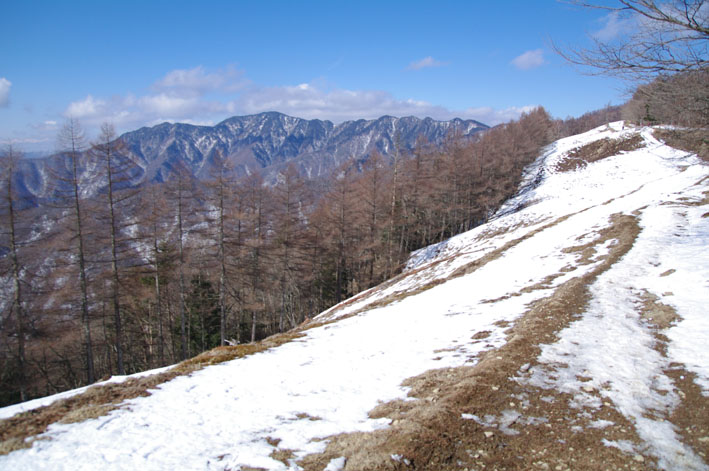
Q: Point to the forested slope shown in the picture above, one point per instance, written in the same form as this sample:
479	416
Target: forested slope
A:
134	278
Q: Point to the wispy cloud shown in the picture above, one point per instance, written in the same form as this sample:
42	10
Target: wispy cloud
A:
196	81
529	60
5	85
492	116
424	63
310	101
614	26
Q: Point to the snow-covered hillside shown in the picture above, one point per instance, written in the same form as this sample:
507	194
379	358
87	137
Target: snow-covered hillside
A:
577	317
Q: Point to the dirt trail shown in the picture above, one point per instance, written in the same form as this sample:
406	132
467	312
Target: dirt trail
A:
480	417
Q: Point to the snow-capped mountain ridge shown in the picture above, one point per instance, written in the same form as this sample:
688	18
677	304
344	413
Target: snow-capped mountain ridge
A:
264	142
535	339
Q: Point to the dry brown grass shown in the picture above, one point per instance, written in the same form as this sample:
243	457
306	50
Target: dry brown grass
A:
16	432
690	140
597	150
284	455
659	314
430	433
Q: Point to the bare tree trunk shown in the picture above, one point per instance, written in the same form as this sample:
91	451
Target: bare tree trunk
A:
9	161
72	137
253	326
105	150
158	303
183	314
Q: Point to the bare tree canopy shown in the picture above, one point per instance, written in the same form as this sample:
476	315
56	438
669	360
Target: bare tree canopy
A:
650	38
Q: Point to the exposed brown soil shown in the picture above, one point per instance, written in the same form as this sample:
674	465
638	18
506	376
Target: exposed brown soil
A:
515	425
657	313
691	416
597	150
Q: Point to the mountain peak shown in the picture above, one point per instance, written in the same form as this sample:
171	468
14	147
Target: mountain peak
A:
267	141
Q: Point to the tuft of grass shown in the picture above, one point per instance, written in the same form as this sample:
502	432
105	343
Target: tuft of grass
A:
284	455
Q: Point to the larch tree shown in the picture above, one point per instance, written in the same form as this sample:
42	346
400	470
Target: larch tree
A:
181	190
255	214
371	191
289	199
153	232
342	232
220	192
9	161
115	170
72	143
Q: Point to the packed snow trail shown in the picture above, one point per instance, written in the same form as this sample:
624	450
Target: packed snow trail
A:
237	414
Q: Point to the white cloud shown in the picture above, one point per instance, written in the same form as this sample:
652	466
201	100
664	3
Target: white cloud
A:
309	101
165	105
529	60
179	96
198	97
614	26
196	81
492	116
87	108
425	63
5	85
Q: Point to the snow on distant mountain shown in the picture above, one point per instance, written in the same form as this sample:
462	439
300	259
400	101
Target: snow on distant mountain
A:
264	142
571	328
267	141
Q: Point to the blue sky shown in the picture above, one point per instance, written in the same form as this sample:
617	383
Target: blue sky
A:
140	63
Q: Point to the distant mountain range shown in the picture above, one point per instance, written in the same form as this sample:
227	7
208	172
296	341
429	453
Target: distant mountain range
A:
264	142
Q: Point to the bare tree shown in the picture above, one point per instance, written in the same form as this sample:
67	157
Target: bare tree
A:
256	221
371	191
181	191
289	199
8	166
681	99
153	227
221	198
116	174
72	141
662	37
